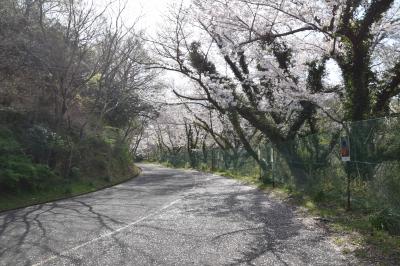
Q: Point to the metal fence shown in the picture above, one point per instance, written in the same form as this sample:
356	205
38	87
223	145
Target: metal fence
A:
369	181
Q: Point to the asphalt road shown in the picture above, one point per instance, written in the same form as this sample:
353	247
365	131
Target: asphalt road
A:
166	217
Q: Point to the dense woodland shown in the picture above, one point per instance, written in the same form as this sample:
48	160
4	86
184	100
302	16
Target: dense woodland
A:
259	88
71	82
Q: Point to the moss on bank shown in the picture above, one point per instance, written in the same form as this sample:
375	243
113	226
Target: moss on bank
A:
39	164
9	201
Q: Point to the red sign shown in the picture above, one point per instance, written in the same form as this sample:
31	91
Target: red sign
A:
345	148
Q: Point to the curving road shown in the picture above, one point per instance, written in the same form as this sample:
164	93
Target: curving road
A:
165	217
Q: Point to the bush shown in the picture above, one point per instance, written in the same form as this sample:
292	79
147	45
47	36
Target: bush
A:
37	142
75	173
107	179
32	156
387	220
204	167
8	144
98	157
17	172
319	196
121	152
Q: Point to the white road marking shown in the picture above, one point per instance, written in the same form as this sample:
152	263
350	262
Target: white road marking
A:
105	235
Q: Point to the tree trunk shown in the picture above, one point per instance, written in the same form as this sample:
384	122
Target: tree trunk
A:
295	163
234	118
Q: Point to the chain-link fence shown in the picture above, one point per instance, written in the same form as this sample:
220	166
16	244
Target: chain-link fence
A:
369	181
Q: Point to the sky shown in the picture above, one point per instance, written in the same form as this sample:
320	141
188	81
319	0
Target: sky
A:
149	13
149	17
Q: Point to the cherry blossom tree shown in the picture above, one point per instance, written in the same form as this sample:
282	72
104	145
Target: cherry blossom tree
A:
267	62
362	37
262	82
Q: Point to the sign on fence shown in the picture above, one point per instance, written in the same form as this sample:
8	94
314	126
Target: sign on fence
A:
345	148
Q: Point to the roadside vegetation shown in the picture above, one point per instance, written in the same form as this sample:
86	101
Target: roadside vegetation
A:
71	114
362	233
38	165
280	93
272	93
369	236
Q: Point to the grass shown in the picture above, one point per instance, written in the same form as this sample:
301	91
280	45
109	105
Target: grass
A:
352	230
64	190
372	245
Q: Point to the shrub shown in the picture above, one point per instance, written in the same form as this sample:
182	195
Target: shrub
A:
319	196
204	167
387	220
107	179
17	172
37	142
121	152
75	173
8	144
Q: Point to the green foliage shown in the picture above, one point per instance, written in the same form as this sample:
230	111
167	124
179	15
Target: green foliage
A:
38	142
319	196
96	162
75	173
374	178
388	220
52	137
18	172
60	189
204	167
8	144
105	157
35	158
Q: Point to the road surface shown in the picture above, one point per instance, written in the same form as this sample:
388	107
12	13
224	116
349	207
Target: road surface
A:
165	217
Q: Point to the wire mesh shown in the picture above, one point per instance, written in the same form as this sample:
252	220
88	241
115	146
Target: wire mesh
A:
313	164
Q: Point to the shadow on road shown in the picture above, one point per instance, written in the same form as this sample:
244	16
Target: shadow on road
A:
49	229
217	219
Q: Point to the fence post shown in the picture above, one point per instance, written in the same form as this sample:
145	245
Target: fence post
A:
347	166
212	167
348	207
272	167
259	165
